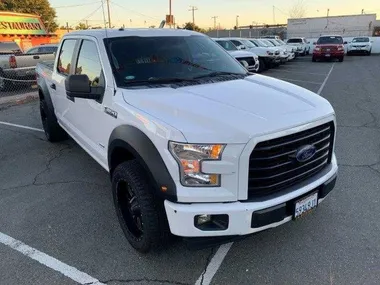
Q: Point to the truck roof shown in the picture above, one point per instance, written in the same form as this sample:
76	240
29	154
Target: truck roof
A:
141	32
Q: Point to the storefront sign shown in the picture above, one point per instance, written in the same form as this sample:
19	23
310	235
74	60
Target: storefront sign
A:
21	24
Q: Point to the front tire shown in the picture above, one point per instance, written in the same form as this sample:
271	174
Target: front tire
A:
341	59
313	59
141	215
53	131
262	65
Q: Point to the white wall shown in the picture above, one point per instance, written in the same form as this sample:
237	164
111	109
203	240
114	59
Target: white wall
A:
354	25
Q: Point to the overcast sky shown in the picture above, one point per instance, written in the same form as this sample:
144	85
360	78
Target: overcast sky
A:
137	13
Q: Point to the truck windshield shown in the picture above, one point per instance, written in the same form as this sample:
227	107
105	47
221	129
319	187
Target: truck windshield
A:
227	45
360	40
295	41
247	43
144	59
330	40
260	43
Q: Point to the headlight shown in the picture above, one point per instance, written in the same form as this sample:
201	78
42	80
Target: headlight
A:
269	53
317	49
190	157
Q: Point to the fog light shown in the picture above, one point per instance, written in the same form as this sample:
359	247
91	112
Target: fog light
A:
201	219
211	222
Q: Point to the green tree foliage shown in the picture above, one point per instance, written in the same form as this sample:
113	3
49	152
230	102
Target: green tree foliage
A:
192	27
81	26
41	8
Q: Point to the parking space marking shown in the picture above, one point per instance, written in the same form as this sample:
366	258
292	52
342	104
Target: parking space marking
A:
52	263
21	126
298	72
214	264
296	80
324	82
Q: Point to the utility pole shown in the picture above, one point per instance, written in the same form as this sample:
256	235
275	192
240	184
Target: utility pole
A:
109	13
237	21
328	12
215	17
274	16
362	11
170	14
67	27
193	9
86	24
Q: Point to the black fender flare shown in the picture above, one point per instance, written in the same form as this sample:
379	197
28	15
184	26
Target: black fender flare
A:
44	90
142	148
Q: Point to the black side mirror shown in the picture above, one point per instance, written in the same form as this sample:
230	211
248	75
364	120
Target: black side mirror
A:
79	86
345	43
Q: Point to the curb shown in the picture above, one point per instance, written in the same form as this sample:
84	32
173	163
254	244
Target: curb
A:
19	99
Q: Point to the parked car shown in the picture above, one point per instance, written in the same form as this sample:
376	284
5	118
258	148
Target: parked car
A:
329	47
267	56
48	48
271	37
17	68
246	58
194	149
284	55
360	45
302	45
290	49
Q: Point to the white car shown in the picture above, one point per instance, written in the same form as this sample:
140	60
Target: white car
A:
301	44
290	49
195	146
246	58
284	55
360	45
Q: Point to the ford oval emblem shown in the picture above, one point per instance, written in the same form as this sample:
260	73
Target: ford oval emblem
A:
305	153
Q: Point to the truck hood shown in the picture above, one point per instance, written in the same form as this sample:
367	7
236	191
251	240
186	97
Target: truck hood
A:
240	53
231	111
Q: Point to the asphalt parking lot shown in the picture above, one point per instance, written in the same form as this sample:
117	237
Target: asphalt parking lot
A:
49	204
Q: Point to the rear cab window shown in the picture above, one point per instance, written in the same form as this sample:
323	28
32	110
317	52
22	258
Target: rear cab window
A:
294	41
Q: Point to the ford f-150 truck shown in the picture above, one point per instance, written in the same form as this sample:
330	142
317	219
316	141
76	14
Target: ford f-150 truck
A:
194	144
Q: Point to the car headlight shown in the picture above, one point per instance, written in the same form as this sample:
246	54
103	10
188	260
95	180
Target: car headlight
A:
190	158
269	52
317	49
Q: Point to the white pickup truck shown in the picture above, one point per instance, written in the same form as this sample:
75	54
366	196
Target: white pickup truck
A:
195	146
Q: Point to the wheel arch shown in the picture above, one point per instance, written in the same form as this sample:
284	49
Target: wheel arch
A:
128	142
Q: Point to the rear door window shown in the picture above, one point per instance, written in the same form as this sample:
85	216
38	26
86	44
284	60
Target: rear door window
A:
65	56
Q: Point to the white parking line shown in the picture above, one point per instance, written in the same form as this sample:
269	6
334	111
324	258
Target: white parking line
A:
299	72
296	80
21	126
214	265
51	262
324	82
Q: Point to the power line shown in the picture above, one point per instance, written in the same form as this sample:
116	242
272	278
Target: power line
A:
193	9
135	12
78	5
88	16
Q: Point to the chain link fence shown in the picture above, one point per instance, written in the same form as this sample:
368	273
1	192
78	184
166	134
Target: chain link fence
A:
11	85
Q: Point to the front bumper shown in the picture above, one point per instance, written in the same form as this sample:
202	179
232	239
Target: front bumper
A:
358	49
328	54
247	217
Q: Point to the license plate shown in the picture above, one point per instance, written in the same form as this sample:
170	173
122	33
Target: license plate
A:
328	49
327	55
305	205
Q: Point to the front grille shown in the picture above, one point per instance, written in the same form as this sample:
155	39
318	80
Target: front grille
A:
249	60
273	166
329	49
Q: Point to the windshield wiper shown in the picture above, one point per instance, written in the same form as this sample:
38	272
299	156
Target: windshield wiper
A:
218	73
154	80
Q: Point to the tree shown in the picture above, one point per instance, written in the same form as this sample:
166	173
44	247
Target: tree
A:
192	27
298	10
41	8
81	26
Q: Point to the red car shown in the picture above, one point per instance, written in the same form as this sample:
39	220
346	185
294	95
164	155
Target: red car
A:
329	47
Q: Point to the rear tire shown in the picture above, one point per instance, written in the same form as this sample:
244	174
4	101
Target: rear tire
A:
341	59
5	85
369	53
53	131
141	215
313	59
